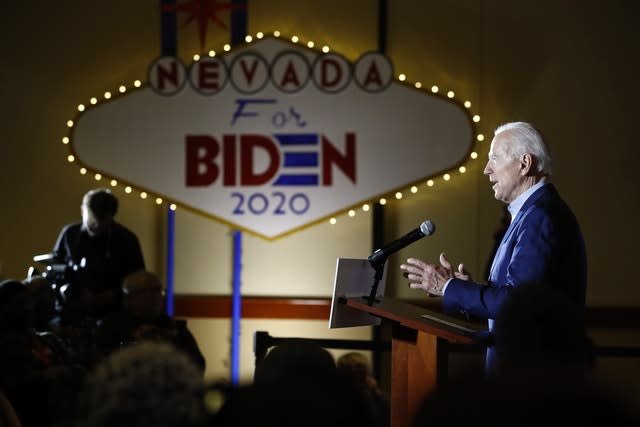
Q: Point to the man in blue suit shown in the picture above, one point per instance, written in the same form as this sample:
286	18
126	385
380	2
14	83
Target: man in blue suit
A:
543	245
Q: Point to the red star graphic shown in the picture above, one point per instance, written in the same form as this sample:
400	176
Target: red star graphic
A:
202	11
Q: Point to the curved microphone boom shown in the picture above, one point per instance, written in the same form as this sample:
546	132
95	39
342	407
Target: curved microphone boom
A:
379	257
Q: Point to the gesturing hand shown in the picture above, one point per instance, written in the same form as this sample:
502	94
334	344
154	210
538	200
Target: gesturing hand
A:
462	273
430	277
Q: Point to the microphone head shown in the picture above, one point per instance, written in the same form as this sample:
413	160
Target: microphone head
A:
427	228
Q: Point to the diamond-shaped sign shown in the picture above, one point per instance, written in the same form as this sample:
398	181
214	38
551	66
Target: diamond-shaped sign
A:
272	137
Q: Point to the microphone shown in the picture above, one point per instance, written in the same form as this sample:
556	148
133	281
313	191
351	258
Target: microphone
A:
427	228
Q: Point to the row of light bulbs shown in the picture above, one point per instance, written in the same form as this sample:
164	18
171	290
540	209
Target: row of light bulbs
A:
399	195
122	89
260	35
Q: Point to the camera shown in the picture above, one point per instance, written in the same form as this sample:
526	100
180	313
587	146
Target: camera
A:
64	277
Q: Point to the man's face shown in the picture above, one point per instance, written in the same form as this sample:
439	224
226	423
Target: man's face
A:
92	224
504	171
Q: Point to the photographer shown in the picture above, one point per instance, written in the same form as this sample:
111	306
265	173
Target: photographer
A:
102	252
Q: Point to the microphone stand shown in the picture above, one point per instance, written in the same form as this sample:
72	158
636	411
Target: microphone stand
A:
379	270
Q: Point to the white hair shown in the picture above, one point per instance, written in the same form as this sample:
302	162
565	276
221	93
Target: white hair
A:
528	140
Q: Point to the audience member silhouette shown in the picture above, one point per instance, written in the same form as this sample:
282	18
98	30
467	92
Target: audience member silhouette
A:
8	416
354	367
527	400
76	343
296	384
37	374
541	328
298	360
43	296
147	384
143	318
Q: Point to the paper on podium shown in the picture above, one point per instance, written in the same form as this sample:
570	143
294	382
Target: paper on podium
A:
354	278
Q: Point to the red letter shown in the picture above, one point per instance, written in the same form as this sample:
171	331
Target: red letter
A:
170	75
346	163
373	75
249	73
290	76
201	150
247	145
326	62
208	75
229	144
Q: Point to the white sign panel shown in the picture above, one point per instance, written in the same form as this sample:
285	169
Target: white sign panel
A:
273	136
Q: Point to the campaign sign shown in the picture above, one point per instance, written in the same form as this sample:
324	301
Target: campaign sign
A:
271	136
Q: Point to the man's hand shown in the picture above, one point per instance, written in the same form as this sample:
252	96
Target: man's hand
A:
430	277
462	273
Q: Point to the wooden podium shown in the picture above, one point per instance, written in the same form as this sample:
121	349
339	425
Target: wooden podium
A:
419	337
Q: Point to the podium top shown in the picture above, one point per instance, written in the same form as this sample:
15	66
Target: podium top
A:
419	318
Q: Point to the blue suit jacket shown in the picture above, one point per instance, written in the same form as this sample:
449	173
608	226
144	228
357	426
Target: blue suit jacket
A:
543	245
